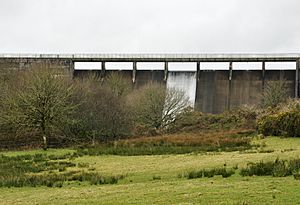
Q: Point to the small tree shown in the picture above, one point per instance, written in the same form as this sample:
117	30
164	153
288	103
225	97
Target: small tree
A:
41	104
156	107
176	102
274	93
102	113
116	83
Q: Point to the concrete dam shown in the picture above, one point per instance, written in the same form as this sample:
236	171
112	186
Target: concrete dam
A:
209	90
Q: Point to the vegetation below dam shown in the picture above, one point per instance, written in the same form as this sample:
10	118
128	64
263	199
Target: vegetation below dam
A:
99	141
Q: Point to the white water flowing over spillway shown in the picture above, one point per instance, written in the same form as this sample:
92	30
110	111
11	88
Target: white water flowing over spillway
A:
184	81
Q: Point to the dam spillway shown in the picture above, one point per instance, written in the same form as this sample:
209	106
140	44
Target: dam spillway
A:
209	90
185	82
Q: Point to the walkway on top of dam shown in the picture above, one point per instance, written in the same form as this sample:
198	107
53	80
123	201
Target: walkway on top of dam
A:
279	57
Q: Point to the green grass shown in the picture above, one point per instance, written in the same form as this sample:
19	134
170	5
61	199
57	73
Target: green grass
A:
154	179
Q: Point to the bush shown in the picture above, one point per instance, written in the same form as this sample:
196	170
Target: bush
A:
281	121
297	176
102	115
275	92
188	120
209	173
278	168
41	170
117	84
242	117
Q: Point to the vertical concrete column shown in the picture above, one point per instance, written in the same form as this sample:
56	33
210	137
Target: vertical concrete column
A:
134	72
198	88
166	71
103	69
71	69
297	79
263	75
229	86
198	71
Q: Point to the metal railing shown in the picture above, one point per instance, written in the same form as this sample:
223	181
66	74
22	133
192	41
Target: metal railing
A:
163	57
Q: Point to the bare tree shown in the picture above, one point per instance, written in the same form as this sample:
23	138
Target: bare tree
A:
156	107
176	102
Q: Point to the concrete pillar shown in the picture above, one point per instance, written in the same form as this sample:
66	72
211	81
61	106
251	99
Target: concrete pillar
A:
198	71
229	87
103	69
71	69
281	74
297	79
134	72
166	71
263	76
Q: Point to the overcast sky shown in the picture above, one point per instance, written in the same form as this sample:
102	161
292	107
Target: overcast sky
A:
149	26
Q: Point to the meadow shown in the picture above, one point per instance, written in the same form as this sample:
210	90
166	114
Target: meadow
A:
157	179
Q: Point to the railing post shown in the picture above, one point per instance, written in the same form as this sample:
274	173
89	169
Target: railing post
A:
71	69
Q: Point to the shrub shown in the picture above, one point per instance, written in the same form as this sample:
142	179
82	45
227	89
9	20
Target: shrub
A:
194	174
40	170
278	168
101	115
297	176
283	120
155	177
117	84
208	173
275	92
188	120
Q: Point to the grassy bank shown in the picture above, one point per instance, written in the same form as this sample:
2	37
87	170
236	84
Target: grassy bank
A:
154	179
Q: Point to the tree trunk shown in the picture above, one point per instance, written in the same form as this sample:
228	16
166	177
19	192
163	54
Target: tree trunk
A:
45	142
93	139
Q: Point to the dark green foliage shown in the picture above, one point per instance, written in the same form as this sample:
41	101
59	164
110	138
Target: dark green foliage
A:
243	117
136	151
194	174
40	170
297	176
57	180
156	177
209	173
282	121
30	163
162	149
278	168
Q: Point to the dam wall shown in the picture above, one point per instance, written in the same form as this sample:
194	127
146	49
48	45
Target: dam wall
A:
209	91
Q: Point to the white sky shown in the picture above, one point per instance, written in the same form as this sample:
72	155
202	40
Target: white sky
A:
149	26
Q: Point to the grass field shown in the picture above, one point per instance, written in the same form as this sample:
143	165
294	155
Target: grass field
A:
154	179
